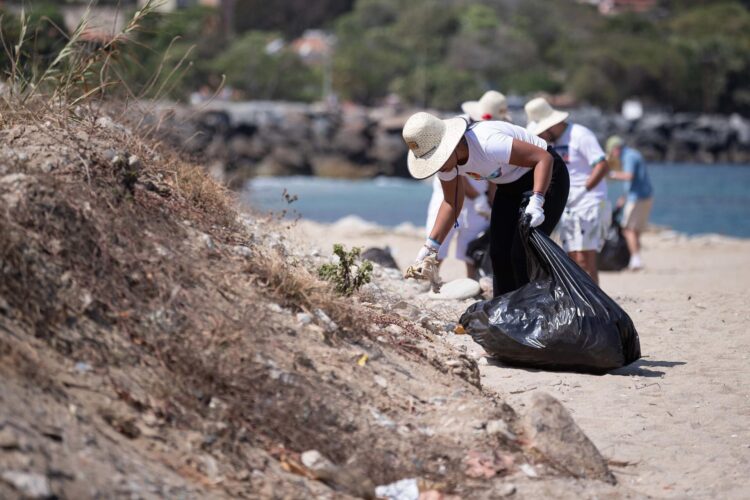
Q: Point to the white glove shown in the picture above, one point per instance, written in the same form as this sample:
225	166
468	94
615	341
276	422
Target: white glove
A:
430	247
535	210
482	206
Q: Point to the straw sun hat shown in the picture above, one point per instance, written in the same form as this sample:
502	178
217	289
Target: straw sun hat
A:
491	106
431	142
541	116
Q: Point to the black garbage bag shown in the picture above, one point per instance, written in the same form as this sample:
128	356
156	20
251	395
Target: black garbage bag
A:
478	250
560	320
615	255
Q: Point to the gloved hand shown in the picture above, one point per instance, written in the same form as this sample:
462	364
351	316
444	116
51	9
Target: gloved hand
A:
482	206
430	248
535	210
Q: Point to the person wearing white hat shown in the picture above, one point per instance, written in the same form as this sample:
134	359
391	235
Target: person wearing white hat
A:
491	106
517	162
588	214
475	214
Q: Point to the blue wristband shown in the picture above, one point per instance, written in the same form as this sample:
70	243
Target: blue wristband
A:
434	244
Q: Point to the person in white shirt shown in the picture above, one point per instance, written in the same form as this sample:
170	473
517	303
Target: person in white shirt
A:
475	214
517	162
588	213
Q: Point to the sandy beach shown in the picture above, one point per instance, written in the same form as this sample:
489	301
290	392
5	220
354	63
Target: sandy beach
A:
675	423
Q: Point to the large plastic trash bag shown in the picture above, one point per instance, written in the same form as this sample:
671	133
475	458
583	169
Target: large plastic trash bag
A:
615	255
478	250
560	320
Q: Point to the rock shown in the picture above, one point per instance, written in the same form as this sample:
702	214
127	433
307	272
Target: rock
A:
552	432
346	479
327	323
10	439
243	251
30	484
500	427
460	289
380	256
394	330
207	241
466	368
505	490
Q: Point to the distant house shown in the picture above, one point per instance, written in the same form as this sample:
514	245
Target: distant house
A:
172	5
314	46
609	7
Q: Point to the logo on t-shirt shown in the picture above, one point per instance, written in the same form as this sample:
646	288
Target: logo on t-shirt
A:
477	177
564	152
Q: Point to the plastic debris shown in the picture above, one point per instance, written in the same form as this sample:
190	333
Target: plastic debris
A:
406	489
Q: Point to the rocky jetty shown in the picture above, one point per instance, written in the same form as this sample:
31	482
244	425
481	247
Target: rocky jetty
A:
242	140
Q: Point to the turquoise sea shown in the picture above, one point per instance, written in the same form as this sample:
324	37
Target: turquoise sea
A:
692	199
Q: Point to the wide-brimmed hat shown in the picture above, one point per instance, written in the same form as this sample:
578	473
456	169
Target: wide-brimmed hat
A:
491	106
431	142
541	116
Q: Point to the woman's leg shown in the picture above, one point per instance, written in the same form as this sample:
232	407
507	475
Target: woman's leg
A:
504	229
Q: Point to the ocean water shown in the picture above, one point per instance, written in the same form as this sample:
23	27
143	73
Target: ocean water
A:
692	199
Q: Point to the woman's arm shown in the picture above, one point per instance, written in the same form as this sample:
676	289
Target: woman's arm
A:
528	155
453	201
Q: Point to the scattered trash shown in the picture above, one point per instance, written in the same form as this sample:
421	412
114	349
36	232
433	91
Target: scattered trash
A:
428	270
82	367
362	360
406	489
528	470
560	320
30	484
486	465
381	381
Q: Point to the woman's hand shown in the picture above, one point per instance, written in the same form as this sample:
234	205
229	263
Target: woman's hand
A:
535	210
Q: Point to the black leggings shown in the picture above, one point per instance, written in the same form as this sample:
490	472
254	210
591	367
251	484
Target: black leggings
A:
506	249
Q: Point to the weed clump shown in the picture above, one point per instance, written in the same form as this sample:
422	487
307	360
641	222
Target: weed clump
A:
346	275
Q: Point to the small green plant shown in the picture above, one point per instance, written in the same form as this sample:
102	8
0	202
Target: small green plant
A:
346	275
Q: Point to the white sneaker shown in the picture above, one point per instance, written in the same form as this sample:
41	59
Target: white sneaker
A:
635	263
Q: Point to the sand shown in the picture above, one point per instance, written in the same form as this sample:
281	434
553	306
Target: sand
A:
676	423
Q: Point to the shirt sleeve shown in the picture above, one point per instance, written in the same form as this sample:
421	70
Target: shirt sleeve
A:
499	147
590	148
447	176
629	163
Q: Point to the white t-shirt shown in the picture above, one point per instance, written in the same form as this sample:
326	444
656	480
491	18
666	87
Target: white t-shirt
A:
581	151
490	144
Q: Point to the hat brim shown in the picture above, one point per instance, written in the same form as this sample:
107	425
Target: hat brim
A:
556	117
429	164
471	108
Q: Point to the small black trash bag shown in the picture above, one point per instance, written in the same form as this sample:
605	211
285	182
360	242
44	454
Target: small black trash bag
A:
560	320
615	255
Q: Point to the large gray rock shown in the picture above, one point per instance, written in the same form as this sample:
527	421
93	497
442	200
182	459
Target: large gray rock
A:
554	435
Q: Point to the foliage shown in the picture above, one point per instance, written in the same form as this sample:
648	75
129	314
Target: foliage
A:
263	74
689	55
346	275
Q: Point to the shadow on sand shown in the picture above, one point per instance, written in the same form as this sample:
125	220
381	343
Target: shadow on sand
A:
640	368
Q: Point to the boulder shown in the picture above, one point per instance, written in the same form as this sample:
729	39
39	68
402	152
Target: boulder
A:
460	289
380	256
552	433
